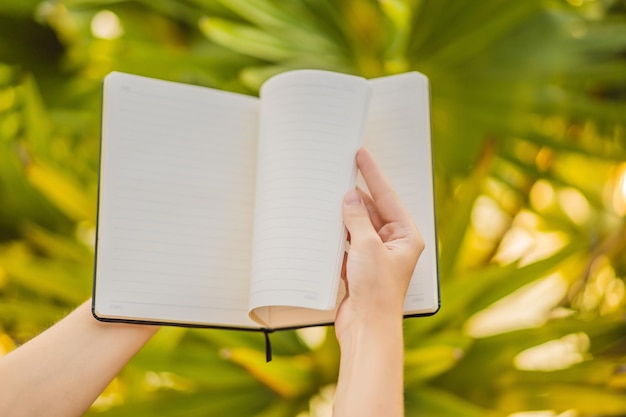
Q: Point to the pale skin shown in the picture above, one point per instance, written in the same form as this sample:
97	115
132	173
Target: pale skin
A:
384	248
63	370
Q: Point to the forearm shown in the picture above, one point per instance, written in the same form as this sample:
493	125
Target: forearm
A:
371	372
63	370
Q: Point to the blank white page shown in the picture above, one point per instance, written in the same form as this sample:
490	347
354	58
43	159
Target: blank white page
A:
176	196
398	135
311	126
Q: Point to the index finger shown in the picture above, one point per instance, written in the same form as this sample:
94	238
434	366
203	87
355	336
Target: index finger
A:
387	201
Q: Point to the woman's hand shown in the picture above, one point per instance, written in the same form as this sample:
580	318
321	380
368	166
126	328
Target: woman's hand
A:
384	248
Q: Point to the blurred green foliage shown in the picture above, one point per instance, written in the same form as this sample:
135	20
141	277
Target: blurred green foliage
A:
529	128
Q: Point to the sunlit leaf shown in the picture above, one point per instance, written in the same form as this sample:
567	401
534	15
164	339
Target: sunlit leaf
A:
68	196
245	39
287	376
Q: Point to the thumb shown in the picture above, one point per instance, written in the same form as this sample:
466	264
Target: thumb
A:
356	218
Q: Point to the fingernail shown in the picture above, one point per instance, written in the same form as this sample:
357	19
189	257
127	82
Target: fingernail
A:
353	198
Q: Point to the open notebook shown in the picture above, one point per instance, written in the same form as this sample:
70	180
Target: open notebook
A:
224	210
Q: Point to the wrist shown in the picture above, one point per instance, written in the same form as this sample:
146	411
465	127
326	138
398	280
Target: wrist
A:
85	311
371	369
383	331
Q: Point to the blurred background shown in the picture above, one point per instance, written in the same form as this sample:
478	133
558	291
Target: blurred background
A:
529	136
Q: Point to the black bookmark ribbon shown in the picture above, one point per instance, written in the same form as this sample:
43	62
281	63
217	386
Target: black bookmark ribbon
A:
268	345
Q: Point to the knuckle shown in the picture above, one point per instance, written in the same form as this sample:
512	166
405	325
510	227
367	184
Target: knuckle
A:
370	240
420	245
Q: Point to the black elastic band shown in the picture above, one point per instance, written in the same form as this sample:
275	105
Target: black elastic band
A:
268	345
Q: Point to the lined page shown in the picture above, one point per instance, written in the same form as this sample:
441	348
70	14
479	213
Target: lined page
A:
311	127
176	197
398	135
